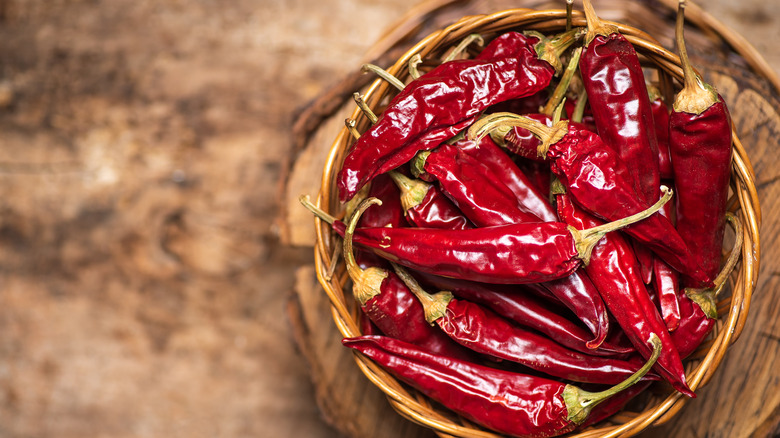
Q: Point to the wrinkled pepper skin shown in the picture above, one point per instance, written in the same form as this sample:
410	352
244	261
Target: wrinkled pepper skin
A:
616	273
519	304
508	254
437	211
485	332
617	95
598	181
700	147
437	106
506	402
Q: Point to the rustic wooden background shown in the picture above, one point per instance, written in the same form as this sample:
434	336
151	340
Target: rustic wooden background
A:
144	290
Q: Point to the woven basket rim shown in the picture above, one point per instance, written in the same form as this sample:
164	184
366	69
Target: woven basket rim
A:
745	203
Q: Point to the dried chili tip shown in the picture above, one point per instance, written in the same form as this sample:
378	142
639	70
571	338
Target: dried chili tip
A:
706	297
579	402
696	96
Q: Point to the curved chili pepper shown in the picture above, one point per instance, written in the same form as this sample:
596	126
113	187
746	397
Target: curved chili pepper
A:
485	332
700	146
510	254
599	182
666	282
504	401
505	170
426	206
438	105
614	270
519	305
617	94
661	123
389	304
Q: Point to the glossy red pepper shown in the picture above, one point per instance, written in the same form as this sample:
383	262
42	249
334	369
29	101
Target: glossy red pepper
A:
438	105
700	146
389	304
661	123
427	207
617	94
504	401
519	304
510	254
599	182
614	270
666	282
487	333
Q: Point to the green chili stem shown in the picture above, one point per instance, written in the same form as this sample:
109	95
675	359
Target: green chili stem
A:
364	108
414	61
696	96
367	282
595	25
579	108
434	305
563	86
569	6
579	402
586	240
325	217
705	298
382	73
462	45
413	191
351	125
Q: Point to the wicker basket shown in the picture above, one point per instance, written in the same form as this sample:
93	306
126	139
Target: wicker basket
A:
658	407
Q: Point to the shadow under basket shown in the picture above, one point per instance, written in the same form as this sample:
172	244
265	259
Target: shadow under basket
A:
657	405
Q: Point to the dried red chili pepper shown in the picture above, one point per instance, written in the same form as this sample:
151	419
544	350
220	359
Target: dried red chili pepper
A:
661	123
509	254
426	206
617	94
598	181
389	304
698	309
487	201
518	303
614	270
438	105
504	401
485	332
700	146
666	282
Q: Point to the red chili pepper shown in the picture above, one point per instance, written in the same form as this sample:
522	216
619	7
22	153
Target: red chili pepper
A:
599	182
487	333
518	303
504	169
617	94
666	282
438	105
614	270
426	206
510	254
504	401
661	123
390	305
700	146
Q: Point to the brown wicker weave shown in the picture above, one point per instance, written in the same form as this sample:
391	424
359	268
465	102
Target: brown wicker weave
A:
660	405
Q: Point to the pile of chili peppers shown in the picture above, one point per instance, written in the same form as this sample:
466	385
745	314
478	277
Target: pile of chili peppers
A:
507	253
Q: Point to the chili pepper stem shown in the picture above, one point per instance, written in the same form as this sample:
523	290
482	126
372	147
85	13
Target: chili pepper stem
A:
579	402
563	85
462	45
364	108
705	298
696	96
384	74
434	305
366	282
418	163
414	61
586	240
548	135
413	191
325	217
351	125
551	49
579	108
569	7
595	25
